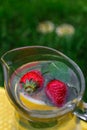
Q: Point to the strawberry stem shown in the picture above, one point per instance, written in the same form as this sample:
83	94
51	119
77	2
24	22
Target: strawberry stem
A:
30	86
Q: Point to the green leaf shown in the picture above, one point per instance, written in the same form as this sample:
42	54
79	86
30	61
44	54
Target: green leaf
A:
45	68
59	70
56	70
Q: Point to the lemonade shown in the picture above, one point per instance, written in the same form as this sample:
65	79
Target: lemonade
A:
38	99
44	86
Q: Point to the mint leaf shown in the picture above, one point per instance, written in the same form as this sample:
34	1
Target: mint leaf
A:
59	70
45	68
56	70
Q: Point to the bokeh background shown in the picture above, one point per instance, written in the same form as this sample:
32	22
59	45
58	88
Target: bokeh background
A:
60	24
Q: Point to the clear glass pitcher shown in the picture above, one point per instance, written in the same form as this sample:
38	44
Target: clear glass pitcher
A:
35	110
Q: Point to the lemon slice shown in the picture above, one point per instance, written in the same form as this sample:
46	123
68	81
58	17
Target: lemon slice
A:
34	104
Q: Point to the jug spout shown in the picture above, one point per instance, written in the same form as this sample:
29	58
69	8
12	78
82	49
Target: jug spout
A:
5	61
5	68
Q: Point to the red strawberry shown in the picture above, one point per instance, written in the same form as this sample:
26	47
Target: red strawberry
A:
32	80
56	91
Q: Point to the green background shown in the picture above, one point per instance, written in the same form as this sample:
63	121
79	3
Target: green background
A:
19	20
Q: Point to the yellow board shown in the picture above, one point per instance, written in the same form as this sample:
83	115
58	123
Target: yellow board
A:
7	114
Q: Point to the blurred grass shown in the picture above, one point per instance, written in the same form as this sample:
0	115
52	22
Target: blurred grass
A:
19	20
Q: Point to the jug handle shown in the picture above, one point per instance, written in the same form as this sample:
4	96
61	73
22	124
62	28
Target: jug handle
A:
82	111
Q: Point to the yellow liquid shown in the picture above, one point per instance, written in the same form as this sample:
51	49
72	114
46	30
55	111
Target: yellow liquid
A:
66	122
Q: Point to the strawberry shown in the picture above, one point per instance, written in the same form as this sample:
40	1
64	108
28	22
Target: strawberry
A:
32	80
56	91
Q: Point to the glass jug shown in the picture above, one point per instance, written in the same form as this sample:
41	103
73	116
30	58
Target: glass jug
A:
33	111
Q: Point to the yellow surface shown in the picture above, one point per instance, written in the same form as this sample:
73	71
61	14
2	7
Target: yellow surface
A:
7	114
83	125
